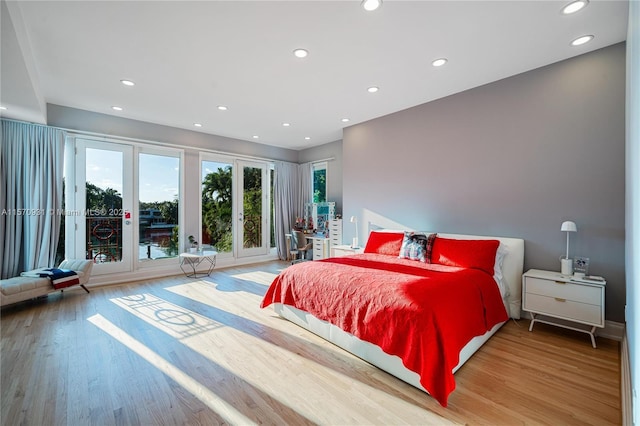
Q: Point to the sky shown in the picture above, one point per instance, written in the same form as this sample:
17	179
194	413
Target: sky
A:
159	175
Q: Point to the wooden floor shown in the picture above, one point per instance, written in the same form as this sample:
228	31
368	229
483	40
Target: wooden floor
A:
180	351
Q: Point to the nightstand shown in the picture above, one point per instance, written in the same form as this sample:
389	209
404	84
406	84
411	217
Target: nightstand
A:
345	250
563	301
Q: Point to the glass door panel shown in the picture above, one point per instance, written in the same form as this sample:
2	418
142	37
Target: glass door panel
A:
217	205
158	206
105	197
253	212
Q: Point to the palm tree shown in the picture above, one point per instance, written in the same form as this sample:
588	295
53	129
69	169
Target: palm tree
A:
216	207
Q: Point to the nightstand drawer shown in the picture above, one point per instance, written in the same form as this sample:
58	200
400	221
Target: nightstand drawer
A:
564	290
563	308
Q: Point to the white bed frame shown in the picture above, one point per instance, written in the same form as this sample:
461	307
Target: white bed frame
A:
512	273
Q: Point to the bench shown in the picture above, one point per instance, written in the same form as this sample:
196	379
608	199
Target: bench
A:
18	289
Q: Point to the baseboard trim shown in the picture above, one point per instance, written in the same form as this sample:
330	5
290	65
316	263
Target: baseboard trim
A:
612	330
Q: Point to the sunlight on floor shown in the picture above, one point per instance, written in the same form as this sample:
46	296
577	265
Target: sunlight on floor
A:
209	398
260	277
236	350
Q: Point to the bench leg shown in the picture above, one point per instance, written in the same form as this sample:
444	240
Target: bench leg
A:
85	289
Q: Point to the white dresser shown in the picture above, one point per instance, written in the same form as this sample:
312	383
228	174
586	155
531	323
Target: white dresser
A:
561	300
320	247
335	232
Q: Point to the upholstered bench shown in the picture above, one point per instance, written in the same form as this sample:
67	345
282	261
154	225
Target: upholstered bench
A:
21	288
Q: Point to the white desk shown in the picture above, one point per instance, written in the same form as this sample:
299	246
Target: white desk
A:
320	246
193	260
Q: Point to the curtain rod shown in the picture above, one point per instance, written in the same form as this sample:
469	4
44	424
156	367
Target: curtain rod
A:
103	136
323	160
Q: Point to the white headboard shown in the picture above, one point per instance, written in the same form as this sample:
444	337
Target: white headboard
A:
512	267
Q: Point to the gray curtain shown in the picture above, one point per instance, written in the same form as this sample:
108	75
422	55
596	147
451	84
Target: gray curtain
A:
305	189
31	179
285	201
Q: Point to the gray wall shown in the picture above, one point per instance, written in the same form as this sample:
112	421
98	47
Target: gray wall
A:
77	119
334	168
513	158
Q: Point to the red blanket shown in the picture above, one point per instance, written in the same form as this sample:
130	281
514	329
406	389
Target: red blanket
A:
423	313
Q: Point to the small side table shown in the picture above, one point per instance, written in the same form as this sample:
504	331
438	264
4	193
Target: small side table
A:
192	260
564	301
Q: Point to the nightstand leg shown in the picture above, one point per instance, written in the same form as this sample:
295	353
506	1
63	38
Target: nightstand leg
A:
593	337
533	320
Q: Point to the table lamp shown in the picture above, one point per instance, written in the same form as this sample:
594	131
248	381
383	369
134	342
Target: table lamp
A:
354	243
566	264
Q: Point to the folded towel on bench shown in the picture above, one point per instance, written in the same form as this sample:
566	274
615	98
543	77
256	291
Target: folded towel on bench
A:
60	278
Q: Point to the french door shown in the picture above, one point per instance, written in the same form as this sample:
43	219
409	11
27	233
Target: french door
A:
235	214
104	232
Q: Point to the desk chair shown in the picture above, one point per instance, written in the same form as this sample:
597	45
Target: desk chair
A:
299	246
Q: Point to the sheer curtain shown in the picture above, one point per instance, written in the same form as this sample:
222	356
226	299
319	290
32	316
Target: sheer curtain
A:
31	173
305	189
291	190
285	201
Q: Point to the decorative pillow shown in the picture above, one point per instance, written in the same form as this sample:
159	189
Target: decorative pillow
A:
417	246
388	243
476	254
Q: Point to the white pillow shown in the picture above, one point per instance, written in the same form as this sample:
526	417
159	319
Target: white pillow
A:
497	270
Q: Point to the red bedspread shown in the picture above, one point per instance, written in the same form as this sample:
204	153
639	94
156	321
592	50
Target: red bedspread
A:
423	313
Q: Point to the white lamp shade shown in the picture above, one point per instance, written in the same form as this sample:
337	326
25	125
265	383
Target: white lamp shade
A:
569	226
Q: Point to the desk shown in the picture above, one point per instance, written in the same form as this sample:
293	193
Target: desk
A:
320	246
193	260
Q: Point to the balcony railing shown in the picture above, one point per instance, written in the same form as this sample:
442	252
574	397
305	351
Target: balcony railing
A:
104	239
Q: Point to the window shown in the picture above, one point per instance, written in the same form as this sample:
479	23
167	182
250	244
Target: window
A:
158	204
319	179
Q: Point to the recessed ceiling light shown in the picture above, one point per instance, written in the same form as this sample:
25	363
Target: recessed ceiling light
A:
197	124
370	5
439	62
222	108
345	120
116	108
307	138
127	82
582	40
256	137
575	6
286	124
372	89
301	53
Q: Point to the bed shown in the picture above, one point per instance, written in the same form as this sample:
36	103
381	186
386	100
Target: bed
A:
418	314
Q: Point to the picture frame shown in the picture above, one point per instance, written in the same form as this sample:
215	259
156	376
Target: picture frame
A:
581	265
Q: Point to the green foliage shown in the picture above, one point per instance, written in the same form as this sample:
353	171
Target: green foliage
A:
320	186
217	208
173	246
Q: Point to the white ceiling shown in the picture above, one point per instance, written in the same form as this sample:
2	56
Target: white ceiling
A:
187	58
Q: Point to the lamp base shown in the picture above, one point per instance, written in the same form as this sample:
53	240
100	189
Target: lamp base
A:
566	266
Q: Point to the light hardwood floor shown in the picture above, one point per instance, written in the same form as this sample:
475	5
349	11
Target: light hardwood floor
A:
179	351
